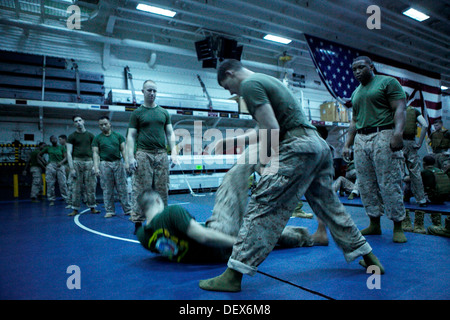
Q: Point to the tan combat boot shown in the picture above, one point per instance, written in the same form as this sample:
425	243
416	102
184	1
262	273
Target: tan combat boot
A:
418	222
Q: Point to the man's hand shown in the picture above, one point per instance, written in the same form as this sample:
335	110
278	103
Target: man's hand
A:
346	153
174	159
133	165
396	142
96	171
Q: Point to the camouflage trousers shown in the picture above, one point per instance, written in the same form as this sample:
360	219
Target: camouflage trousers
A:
54	173
112	175
413	163
36	182
231	203
70	185
69	180
379	172
152	172
84	177
305	166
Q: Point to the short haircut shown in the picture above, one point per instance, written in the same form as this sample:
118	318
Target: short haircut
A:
147	198
429	160
229	64
63	136
77	116
104	118
363	58
148	81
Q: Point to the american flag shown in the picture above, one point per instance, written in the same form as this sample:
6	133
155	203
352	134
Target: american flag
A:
333	62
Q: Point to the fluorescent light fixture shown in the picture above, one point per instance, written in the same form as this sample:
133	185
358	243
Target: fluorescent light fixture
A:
444	88
416	14
156	10
277	39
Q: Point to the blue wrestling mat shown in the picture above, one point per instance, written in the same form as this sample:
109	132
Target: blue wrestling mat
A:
46	255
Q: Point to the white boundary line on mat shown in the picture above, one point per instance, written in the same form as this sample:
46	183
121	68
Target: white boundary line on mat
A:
76	219
78	223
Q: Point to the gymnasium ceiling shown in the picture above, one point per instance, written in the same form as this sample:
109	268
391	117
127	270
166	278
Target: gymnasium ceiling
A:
118	25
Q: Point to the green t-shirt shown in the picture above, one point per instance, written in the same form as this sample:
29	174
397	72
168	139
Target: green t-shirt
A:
151	126
81	145
371	103
166	235
259	89
55	153
109	146
33	158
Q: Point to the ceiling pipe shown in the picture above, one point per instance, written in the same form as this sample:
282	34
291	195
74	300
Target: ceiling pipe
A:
89	36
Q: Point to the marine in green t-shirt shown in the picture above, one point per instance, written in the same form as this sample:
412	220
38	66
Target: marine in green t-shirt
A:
149	129
371	102
34	160
109	146
376	131
36	167
379	101
81	143
151	126
79	157
259	89
166	234
275	197
56	153
172	232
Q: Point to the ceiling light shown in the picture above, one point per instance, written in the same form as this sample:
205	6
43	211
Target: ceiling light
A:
444	88
277	39
156	10
415	14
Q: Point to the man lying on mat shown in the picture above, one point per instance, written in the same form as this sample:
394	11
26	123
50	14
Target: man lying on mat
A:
172	232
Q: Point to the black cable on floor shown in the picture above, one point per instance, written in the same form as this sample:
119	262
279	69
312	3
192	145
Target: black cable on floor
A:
124	217
296	285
